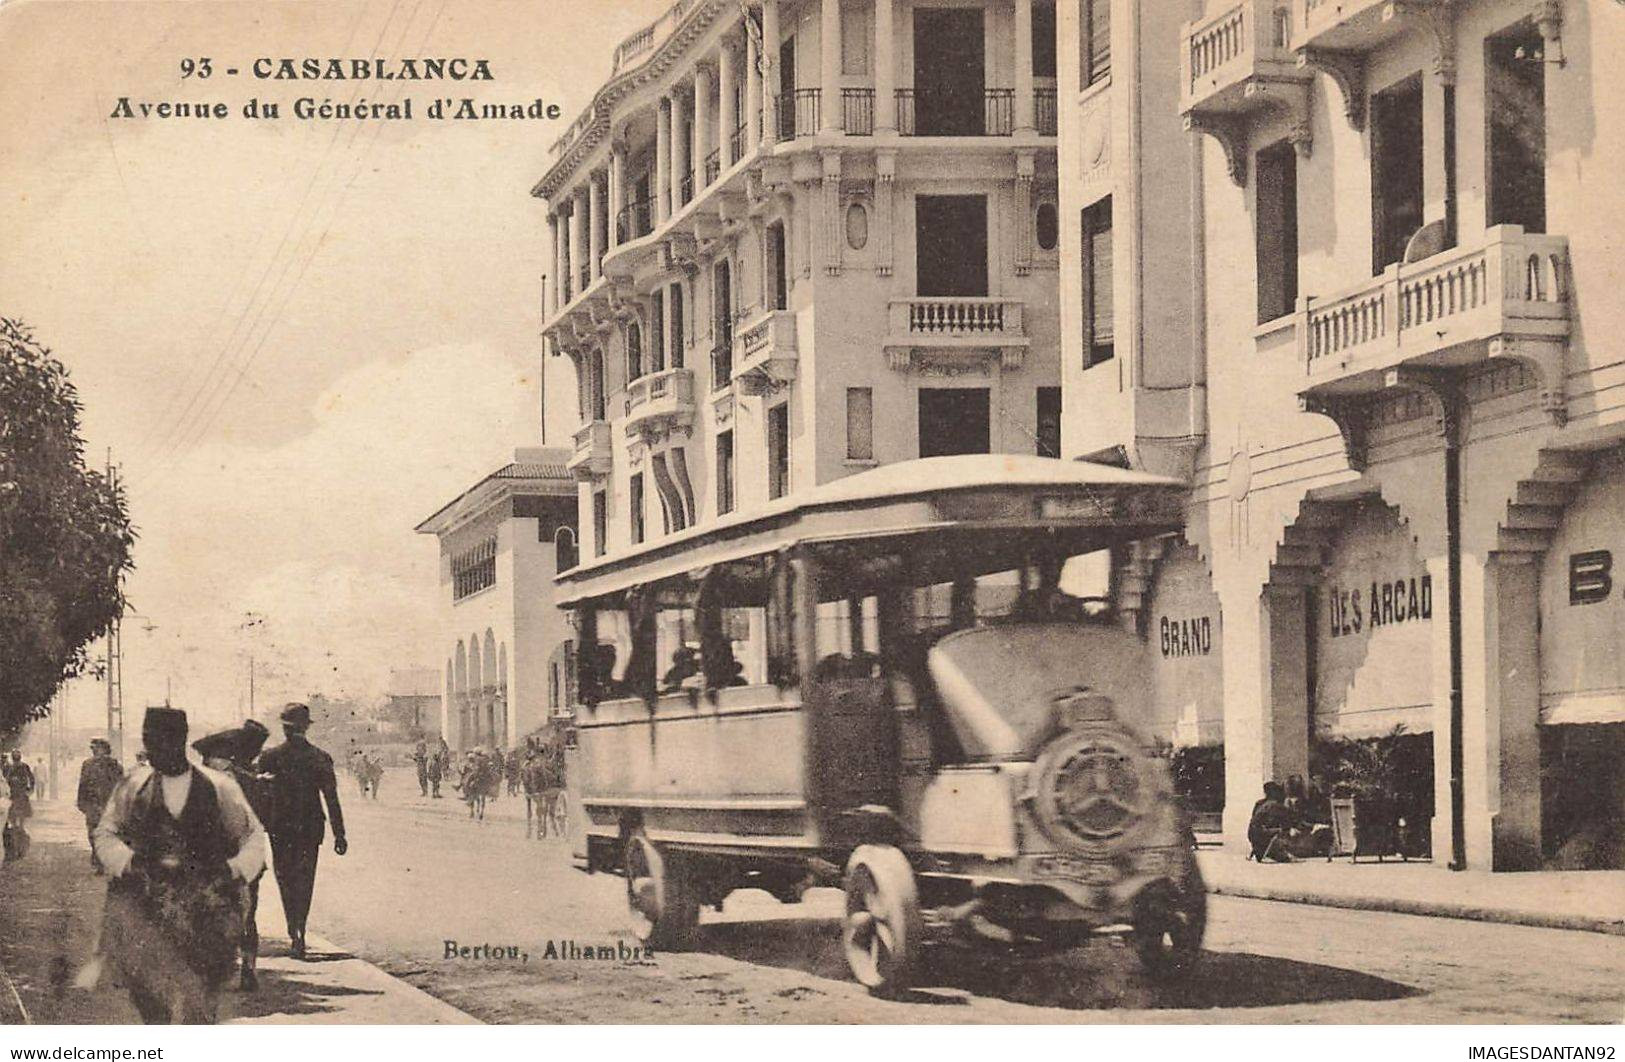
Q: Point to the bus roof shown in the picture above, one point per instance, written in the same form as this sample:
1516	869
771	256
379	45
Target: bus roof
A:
905	497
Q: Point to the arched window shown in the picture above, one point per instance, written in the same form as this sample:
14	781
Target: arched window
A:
634	352
565	556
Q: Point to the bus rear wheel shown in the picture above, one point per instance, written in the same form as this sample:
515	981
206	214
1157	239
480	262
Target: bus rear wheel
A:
662	900
882	932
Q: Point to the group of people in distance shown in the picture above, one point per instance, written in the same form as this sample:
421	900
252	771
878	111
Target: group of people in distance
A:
1290	822
368	770
537	771
184	849
432	766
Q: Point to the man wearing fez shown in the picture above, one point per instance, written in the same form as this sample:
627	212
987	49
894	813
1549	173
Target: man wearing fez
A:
232	752
98	776
178	843
301	778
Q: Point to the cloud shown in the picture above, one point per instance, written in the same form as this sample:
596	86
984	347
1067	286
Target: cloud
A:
314	537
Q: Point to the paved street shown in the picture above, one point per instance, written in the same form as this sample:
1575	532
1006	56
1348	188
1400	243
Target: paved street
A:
419	873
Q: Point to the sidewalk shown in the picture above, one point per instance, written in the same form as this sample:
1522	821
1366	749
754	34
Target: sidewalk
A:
50	908
1593	901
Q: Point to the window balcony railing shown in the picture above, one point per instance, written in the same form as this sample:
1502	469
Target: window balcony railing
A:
1237	60
1044	111
974	325
951	114
765	357
636	220
713	167
949	316
799	113
685	188
660	400
1444	311
591	456
858	111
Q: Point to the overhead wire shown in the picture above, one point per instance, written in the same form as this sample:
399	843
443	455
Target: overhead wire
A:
180	435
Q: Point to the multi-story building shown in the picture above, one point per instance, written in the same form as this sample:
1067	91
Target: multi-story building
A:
508	667
794	240
1133	364
1410	484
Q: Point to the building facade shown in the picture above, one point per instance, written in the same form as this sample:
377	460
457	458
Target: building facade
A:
795	240
1406	488
508	667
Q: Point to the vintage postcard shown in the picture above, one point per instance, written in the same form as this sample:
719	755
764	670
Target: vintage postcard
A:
813	512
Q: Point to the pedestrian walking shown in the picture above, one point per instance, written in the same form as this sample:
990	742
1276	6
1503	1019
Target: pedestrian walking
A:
178	843
439	764
300	777
98	777
232	752
19	782
420	758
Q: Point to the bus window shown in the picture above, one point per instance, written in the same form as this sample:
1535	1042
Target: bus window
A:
677	649
746	632
606	650
848	638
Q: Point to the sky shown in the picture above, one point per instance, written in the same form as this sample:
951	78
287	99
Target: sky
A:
297	339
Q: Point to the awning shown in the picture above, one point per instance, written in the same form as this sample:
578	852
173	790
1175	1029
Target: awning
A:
1590	706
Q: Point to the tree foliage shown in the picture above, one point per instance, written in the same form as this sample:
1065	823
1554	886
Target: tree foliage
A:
65	534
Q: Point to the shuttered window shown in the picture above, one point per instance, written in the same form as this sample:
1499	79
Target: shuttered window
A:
1096	42
1097	281
860	425
679	333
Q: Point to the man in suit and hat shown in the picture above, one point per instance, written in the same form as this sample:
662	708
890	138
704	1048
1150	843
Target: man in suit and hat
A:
232	752
178	843
300	778
98	777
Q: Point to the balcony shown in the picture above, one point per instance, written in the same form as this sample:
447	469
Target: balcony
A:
1044	111
955	328
950	114
765	352
636	220
858	111
1235	64
1334	37
1354	26
799	113
592	456
1506	297
659	402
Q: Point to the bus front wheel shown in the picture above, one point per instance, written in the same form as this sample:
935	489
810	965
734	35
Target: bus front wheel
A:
664	906
883	928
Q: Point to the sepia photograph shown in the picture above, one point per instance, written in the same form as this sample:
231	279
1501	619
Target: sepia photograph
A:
812	513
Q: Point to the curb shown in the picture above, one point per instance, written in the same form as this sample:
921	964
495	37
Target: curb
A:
1431	908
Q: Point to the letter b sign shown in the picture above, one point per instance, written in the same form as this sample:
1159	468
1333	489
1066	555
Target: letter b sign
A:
1590	577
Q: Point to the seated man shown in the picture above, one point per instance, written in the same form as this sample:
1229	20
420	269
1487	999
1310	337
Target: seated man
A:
1269	825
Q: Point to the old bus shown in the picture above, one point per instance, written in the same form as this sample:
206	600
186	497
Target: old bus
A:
879	684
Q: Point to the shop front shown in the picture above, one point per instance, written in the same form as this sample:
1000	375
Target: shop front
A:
1370	672
1184	628
1582	676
